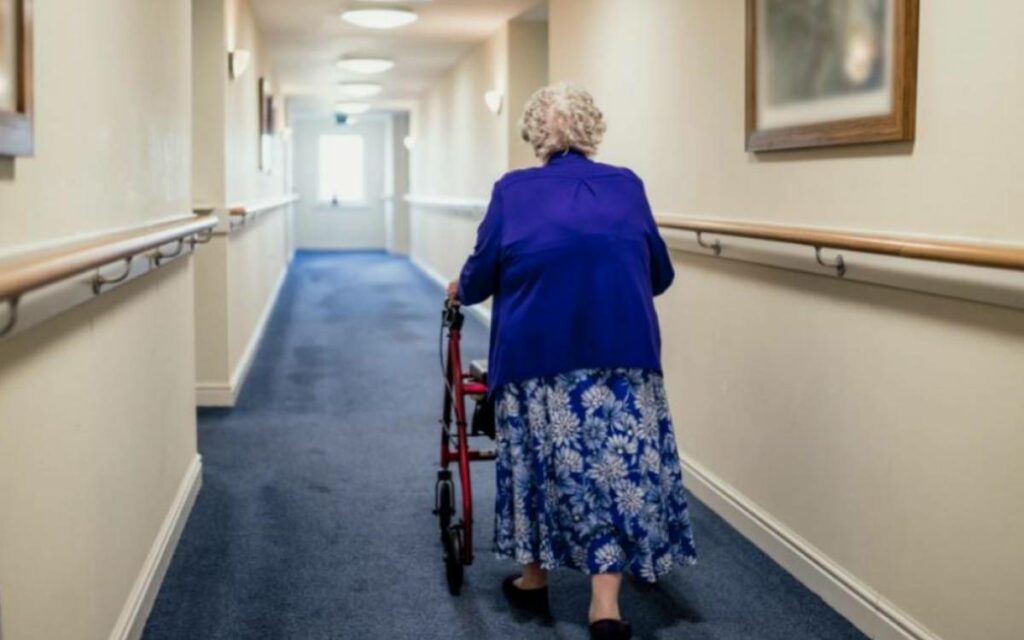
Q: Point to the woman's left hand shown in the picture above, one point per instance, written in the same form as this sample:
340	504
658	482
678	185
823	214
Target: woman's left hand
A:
453	290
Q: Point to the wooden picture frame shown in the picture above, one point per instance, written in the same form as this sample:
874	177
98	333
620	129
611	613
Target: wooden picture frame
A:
900	82
16	127
266	127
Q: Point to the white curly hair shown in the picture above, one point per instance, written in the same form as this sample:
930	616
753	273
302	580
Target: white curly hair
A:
561	117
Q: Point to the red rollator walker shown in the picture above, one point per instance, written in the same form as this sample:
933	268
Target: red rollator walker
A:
457	533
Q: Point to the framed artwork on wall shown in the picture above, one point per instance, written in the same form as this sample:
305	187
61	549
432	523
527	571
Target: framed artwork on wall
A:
823	74
266	125
16	78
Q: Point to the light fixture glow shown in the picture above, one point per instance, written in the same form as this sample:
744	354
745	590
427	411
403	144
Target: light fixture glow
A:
238	62
380	18
366	66
360	89
409	142
494	99
351	108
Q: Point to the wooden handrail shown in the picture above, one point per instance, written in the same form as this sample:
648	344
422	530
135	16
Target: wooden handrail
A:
26	273
243	212
966	253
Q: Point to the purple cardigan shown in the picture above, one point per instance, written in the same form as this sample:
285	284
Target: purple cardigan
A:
572	255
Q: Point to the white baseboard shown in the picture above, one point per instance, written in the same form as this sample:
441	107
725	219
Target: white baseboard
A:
132	620
211	394
857	602
482	313
225	394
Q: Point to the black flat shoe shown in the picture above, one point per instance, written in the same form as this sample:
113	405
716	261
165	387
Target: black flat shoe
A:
532	600
611	630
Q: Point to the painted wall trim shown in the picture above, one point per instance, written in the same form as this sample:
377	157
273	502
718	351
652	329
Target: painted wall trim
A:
864	607
465	206
53	243
481	312
42	305
132	621
225	394
265	204
977	284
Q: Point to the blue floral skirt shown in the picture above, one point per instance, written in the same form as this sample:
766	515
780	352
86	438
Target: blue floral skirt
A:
588	475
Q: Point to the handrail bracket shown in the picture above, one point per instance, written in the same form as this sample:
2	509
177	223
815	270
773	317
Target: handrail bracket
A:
160	256
838	264
201	238
715	246
99	280
12	316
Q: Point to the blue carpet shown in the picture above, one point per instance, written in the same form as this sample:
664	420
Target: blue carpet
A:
314	518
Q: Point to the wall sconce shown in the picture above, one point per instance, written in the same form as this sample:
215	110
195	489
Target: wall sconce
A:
238	62
494	99
409	142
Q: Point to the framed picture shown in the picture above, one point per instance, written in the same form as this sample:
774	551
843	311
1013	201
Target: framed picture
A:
16	78
266	125
830	73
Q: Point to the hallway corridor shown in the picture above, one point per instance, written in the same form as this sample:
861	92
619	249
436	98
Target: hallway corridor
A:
314	517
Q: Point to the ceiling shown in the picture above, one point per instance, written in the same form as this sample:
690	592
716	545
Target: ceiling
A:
305	38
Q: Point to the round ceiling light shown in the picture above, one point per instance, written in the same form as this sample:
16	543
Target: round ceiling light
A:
351	108
391	18
366	65
360	89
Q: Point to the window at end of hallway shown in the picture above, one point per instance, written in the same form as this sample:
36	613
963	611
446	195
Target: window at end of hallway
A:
342	176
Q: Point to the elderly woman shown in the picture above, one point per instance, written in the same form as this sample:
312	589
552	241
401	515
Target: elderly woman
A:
588	474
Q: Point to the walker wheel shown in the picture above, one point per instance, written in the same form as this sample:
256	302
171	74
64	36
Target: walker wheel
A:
444	492
453	559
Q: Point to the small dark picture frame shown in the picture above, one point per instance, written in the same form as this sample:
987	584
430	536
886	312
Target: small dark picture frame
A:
16	99
266	133
822	74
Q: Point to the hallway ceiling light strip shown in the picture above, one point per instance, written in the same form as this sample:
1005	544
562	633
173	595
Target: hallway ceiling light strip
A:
390	18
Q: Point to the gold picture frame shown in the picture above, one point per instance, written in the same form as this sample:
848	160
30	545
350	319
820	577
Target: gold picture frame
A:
810	85
16	89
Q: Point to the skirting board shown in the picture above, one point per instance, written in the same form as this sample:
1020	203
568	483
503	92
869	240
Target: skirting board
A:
856	601
219	394
481	312
132	620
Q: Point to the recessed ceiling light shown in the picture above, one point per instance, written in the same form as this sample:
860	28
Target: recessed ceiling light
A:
366	65
380	18
360	89
351	108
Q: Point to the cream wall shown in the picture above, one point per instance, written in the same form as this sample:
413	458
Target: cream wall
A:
245	181
257	261
348	226
97	423
238	277
462	149
685	58
208	101
396	209
878	428
528	71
